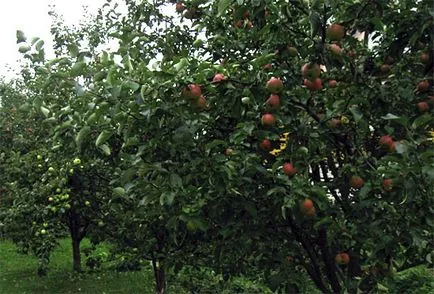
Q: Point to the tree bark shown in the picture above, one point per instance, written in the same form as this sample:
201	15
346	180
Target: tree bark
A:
160	277
330	269
76	256
315	271
74	229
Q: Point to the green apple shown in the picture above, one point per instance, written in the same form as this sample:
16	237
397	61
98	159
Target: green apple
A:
67	206
303	150
53	209
245	100
39	157
45	225
77	161
43	232
87	203
51	169
50	199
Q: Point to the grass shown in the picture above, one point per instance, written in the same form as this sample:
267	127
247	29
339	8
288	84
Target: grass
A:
18	275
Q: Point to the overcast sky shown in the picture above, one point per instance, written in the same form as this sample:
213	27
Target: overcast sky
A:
31	16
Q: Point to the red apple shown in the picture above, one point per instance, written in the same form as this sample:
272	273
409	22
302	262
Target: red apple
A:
218	78
387	142
274	85
201	102
190	13
333	83
335	32
351	54
306	206
268	66
335	122
192	92
289	169
273	101
387	184
424	58
423	86
335	49
265	145
342	258
423	106
239	24
385	68
310	71
313	85
356	182
268	120
292	51
180	7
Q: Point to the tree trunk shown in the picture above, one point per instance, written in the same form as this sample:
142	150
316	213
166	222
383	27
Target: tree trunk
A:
76	256
74	229
160	277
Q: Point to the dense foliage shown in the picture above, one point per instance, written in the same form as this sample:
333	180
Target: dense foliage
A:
271	139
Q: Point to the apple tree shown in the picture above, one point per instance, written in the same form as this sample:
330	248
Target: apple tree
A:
57	181
345	86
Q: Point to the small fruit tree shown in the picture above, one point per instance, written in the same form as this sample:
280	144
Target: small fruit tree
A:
54	180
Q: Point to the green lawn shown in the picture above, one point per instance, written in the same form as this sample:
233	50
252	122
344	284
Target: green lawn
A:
18	275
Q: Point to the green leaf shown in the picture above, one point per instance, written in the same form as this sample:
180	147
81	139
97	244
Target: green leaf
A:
263	59
175	180
118	192
103	137
276	190
390	116
132	85
78	68
222	6
181	64
73	50
82	136
315	23
20	37
39	45
421	121
105	148
357	114
45	111
23	49
25	107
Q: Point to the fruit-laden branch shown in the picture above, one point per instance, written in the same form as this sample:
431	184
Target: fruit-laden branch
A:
314	272
338	138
